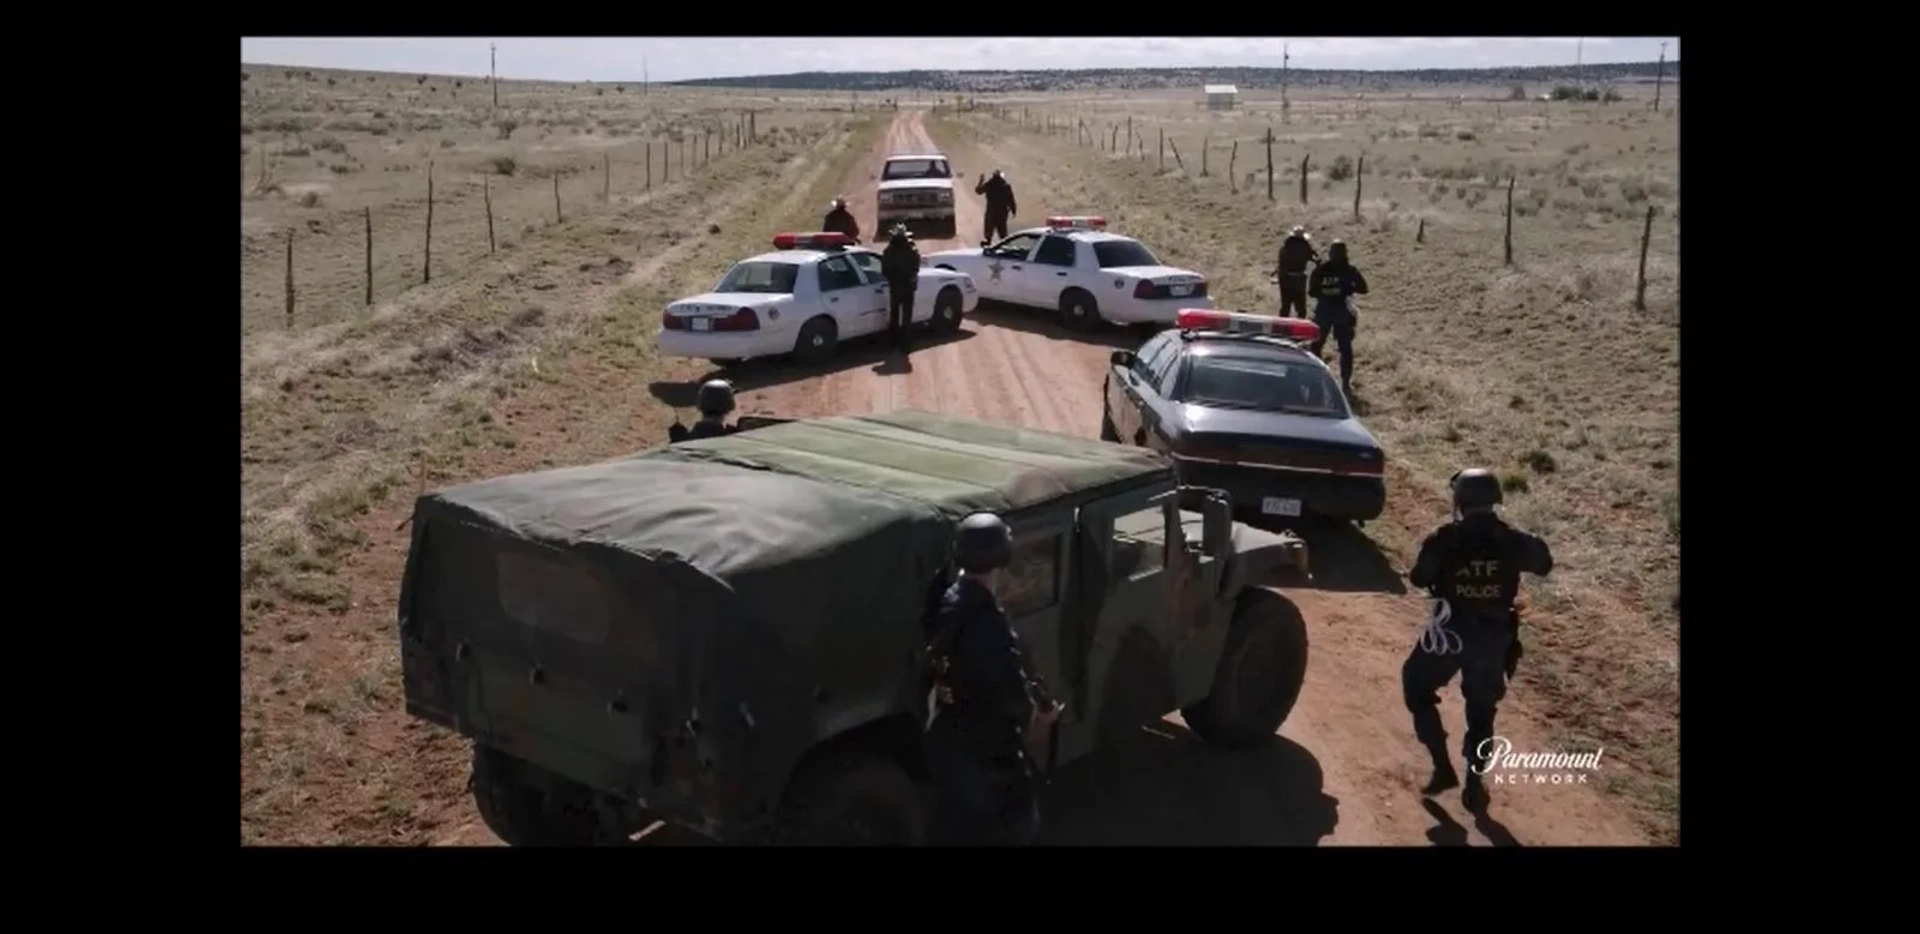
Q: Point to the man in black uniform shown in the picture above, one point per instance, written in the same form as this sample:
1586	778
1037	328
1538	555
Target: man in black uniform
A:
985	702
1473	565
1000	205
1333	285
840	220
715	402
1295	252
900	264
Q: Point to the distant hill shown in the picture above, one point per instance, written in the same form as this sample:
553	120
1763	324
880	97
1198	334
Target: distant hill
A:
1092	79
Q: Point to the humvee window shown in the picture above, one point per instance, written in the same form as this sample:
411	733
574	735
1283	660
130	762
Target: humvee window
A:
545	594
1031	582
1137	545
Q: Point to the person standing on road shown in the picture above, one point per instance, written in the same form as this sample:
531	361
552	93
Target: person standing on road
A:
1333	285
900	264
1472	567
1000	205
715	402
840	220
1295	252
985	704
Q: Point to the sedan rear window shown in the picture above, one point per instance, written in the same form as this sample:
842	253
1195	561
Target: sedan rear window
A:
1114	254
1270	385
769	278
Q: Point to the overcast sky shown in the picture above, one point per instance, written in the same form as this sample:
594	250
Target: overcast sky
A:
682	58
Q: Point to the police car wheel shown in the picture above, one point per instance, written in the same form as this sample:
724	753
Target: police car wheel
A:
1261	672
524	807
851	800
946	311
818	341
1078	310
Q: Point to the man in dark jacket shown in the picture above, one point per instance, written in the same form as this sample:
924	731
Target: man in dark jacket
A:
985	702
715	402
1000	204
1472	567
1295	253
1333	285
900	264
840	220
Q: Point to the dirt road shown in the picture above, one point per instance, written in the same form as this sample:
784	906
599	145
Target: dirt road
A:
1345	769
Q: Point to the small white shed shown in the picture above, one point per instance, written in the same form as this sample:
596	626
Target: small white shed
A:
1221	96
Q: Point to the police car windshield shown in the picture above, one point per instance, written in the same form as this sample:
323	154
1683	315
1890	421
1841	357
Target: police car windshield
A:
1243	382
915	168
769	278
1116	254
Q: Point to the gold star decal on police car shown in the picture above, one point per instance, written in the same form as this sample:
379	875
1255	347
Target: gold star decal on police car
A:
993	270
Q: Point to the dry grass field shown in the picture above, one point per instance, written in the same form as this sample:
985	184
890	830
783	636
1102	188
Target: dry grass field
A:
540	353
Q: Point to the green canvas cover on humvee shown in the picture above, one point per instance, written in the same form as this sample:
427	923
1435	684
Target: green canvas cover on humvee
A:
535	604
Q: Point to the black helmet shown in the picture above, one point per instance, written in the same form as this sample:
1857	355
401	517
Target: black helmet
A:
715	398
1476	488
1337	249
984	543
839	204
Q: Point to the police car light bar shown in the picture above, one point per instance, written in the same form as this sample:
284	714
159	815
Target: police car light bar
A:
817	240
1077	222
1299	330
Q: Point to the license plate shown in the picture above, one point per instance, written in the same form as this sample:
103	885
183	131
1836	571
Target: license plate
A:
1179	291
702	324
1277	506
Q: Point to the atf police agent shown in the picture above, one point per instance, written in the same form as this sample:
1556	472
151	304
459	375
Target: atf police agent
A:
715	402
840	220
1295	253
1472	567
984	702
1333	284
1000	205
900	265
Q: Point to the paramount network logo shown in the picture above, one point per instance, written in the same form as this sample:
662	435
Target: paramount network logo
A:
1500	765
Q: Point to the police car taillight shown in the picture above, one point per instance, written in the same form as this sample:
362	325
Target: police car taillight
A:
818	240
743	320
1206	319
1077	222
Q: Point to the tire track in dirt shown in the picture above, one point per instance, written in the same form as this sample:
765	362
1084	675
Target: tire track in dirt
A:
1350	716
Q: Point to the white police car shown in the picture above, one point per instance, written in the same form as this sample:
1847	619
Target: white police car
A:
812	292
1074	267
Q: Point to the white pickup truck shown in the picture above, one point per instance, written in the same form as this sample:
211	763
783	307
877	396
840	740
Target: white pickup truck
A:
916	190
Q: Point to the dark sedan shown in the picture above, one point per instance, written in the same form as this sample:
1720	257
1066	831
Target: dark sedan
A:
1245	410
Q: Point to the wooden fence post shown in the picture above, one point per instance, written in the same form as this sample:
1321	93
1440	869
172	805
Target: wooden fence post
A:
1420	233
1509	236
556	199
1233	157
369	217
1359	175
486	198
1163	149
706	145
1304	162
426	265
1206	143
1113	139
289	277
1182	163
1269	163
606	177
666	161
1640	288
1129	133
649	145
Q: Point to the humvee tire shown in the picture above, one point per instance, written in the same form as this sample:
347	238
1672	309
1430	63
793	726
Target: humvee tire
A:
1261	670
851	799
524	811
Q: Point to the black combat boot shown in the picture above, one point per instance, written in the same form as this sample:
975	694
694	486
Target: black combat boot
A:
1474	797
1444	777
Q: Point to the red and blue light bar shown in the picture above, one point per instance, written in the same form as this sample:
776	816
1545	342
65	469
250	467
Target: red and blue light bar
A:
1298	330
1077	222
817	240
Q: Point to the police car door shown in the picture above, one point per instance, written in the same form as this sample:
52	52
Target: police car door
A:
848	298
869	266
1154	393
1050	273
1006	263
1134	384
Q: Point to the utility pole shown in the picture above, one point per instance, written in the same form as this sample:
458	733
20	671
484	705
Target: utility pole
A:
1579	66
1659	77
646	86
493	72
1285	105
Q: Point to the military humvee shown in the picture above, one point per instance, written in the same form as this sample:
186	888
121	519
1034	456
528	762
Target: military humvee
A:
726	634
